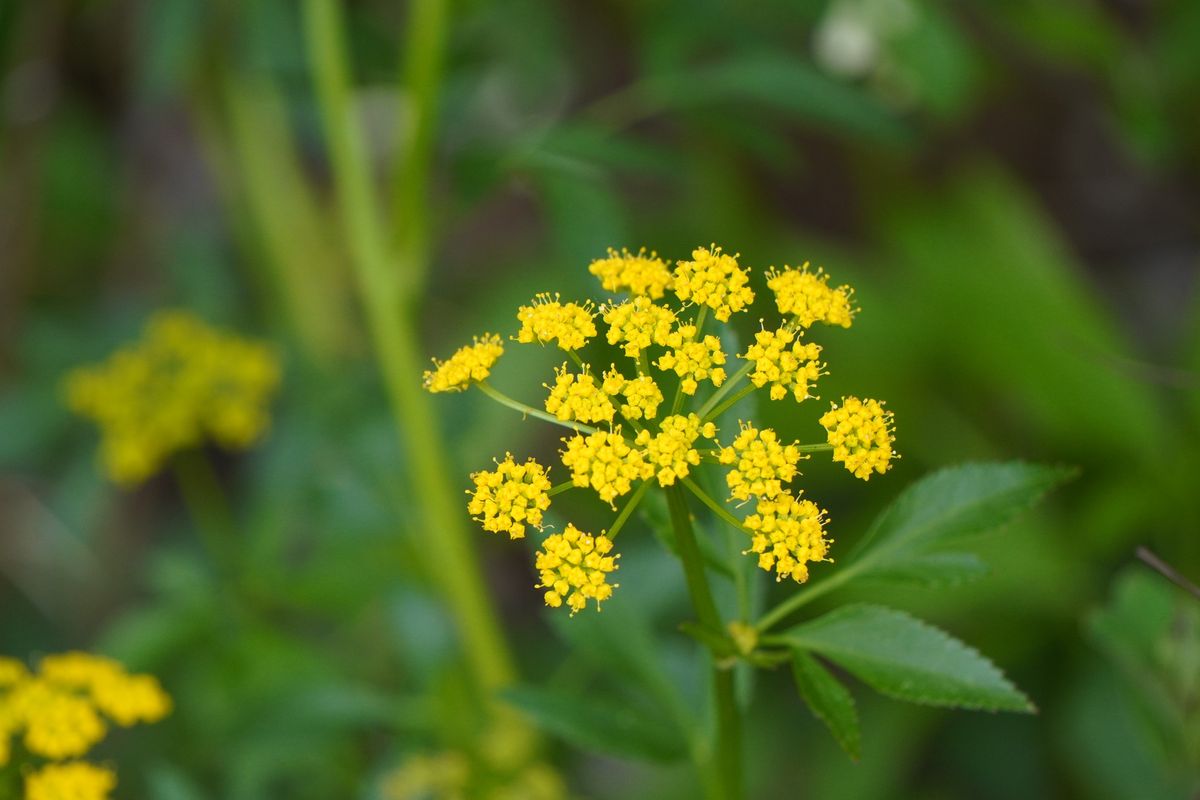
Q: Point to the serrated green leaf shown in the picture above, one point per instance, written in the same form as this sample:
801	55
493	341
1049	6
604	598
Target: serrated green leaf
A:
602	724
829	700
953	504
933	570
905	658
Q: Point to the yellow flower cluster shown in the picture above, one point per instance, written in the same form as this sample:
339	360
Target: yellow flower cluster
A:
808	297
574	568
861	433
788	533
761	463
468	364
61	709
510	497
785	362
548	319
640	274
578	398
75	780
605	461
671	451
638	323
642	395
182	381
715	280
693	360
674	340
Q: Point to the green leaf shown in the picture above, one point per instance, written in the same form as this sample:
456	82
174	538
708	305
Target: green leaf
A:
933	570
905	658
601	724
829	700
953	504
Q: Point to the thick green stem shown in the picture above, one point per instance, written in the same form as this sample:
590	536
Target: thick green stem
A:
726	758
384	285
815	448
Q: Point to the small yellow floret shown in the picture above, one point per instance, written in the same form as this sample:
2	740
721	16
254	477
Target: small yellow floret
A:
76	780
577	397
671	450
468	365
638	323
640	274
642	395
574	567
693	361
606	462
862	433
784	361
761	464
788	534
808	296
548	319
713	279
12	671
510	497
422	776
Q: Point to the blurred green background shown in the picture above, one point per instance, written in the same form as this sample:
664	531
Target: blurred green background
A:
1012	187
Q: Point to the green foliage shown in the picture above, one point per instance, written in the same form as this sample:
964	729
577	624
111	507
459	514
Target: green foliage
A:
829	700
905	658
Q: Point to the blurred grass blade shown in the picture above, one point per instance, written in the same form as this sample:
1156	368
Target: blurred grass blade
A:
830	701
905	658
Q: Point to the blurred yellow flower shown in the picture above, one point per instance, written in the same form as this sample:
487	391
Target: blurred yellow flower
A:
181	382
470	363
76	780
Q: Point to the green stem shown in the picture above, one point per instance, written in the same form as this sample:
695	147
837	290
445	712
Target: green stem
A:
805	596
517	405
627	511
207	506
726	757
565	486
815	448
728	386
721	409
713	505
384	285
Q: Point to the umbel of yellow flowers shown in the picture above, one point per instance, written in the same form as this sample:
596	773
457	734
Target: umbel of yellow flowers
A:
625	436
181	383
62	711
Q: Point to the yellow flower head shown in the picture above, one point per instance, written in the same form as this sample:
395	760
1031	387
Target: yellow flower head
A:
642	398
639	274
577	397
787	534
693	360
58	723
606	462
862	433
761	463
671	450
713	279
547	319
784	361
574	568
808	297
468	364
638	323
510	497
182	381
12	671
75	780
